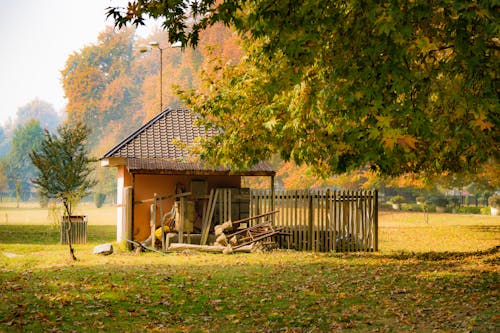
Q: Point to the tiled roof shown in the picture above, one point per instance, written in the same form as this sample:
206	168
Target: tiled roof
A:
157	138
154	146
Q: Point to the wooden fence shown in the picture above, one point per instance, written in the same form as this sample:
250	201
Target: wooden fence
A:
339	221
77	232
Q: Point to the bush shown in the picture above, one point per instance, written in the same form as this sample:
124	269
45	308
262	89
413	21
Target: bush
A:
420	199
412	208
384	206
99	199
397	199
438	200
455	201
494	201
486	210
469	210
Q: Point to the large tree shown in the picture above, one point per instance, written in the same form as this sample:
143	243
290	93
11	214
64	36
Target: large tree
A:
100	86
399	86
18	166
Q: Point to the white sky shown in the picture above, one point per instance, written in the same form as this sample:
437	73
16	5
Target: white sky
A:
37	36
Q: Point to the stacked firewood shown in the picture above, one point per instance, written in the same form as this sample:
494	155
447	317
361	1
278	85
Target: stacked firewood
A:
229	238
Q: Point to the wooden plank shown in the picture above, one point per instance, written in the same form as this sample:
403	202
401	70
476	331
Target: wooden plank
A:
321	223
205	225
180	231
328	221
302	220
362	220
185	194
335	220
343	217
210	215
367	219
352	222
162	225
310	226
152	220
230	205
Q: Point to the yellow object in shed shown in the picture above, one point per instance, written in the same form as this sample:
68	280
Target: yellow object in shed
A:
158	232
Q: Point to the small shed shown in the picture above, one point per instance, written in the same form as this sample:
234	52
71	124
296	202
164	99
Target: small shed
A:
153	160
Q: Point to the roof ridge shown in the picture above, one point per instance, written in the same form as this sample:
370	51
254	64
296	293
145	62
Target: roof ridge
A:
141	129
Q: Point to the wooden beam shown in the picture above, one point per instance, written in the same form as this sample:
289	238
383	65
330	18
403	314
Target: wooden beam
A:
185	194
209	248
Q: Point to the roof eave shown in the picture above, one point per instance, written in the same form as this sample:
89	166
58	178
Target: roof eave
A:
203	172
113	161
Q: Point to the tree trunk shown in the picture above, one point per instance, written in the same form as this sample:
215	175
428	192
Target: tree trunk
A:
68	238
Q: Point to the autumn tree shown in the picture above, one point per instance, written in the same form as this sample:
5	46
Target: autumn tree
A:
396	86
63	168
100	85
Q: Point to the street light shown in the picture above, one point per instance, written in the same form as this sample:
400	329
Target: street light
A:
155	44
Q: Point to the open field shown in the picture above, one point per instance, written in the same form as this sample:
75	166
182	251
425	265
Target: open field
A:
435	274
32	214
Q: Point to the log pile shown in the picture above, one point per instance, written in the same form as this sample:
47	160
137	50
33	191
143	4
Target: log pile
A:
229	239
261	233
259	236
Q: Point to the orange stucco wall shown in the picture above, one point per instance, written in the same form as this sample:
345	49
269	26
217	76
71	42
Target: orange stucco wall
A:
145	186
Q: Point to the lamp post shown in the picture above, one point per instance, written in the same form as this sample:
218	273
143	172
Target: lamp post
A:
155	44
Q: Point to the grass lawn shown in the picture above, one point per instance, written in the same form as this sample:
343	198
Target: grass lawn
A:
434	273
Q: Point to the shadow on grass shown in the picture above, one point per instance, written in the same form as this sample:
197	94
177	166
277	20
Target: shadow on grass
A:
49	235
428	256
438	256
483	228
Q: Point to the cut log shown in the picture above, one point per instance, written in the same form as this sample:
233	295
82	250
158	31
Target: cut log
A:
221	240
233	241
219	229
207	248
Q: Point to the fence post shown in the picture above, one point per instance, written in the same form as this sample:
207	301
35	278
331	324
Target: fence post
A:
375	222
311	221
328	235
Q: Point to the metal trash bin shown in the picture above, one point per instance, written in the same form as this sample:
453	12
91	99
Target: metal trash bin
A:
78	231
